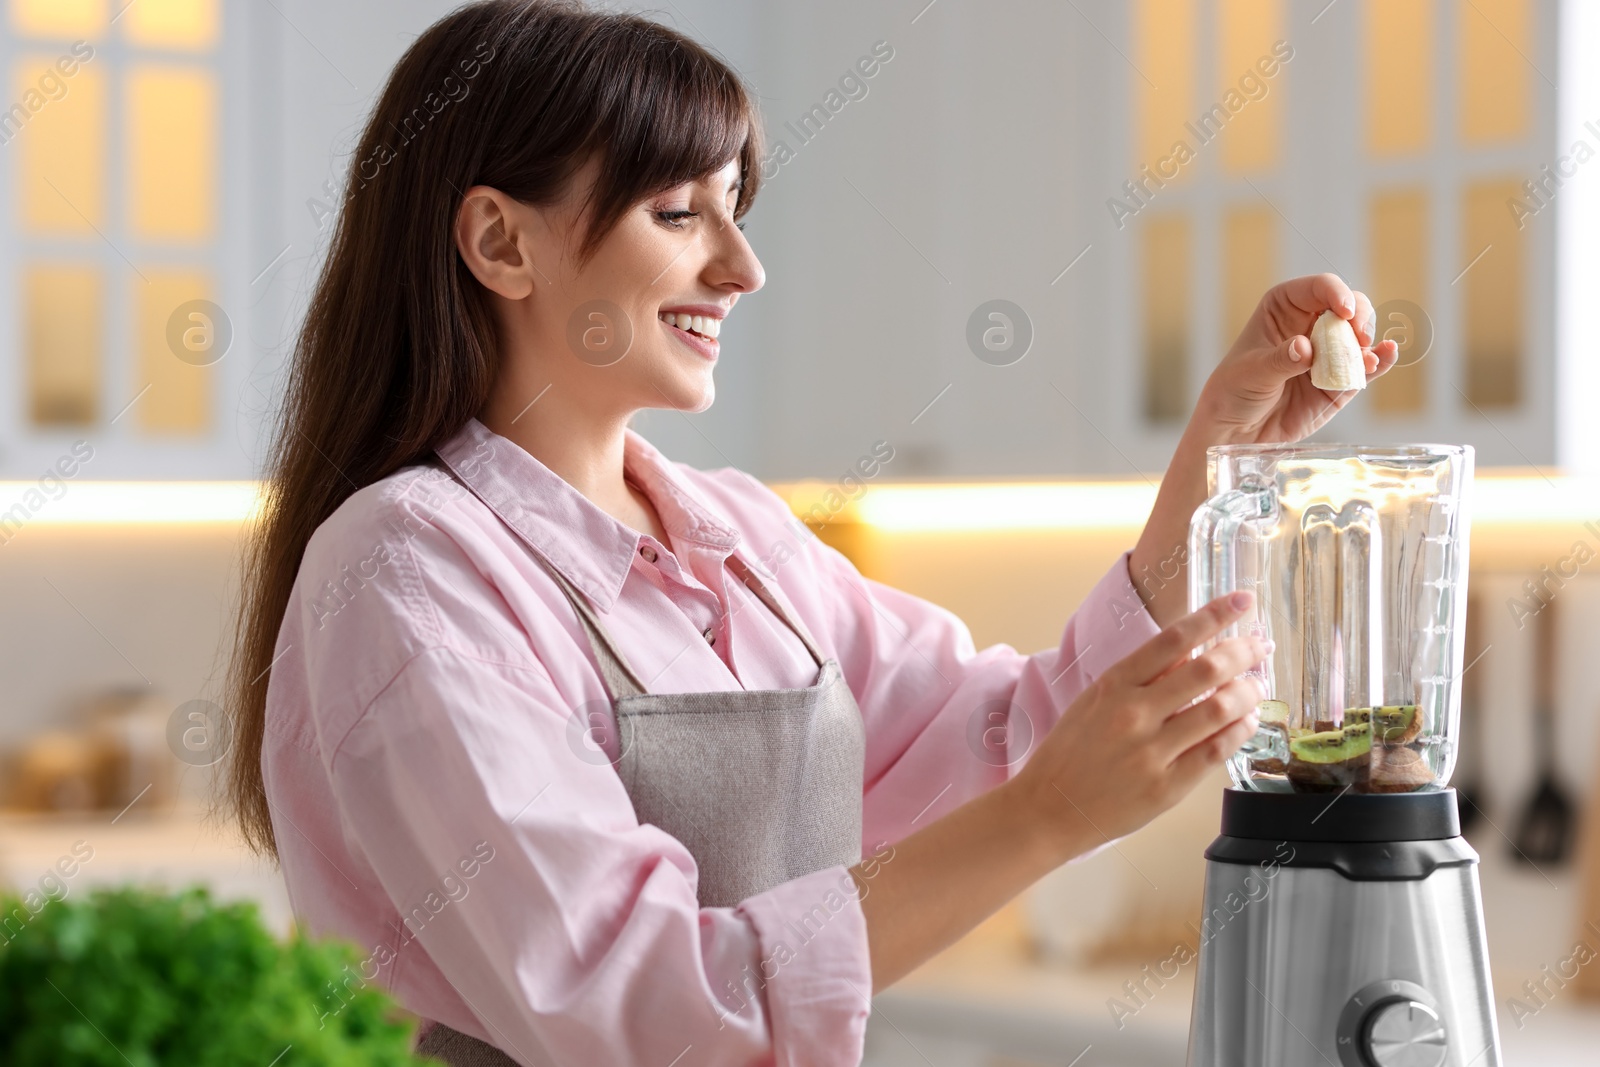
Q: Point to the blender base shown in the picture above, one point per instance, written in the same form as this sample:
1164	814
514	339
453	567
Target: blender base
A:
1344	931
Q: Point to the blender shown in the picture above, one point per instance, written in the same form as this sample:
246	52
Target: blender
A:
1343	922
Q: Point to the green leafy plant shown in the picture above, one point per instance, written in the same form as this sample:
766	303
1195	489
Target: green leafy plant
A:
143	978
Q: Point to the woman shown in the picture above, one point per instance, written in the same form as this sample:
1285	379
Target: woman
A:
518	708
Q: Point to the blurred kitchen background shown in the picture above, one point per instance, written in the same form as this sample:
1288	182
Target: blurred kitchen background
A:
1127	177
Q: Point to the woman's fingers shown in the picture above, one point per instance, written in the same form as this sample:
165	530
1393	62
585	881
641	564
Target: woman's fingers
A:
1383	355
1293	356
1173	644
1316	293
1233	701
1212	669
1365	320
1208	750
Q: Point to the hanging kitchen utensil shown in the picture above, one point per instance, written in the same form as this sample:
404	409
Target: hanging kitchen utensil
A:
1544	834
1469	764
1587	983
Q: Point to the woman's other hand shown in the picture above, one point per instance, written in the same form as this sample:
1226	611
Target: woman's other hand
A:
1130	747
1136	742
1261	392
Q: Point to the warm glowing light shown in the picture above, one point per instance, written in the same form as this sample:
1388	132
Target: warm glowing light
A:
1081	505
134	503
1536	498
1510	499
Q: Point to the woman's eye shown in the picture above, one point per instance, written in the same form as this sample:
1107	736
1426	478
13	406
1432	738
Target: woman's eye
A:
674	218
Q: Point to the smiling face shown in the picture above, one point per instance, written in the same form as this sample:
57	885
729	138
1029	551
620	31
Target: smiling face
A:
662	282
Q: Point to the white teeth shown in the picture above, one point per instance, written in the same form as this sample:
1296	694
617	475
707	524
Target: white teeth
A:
704	325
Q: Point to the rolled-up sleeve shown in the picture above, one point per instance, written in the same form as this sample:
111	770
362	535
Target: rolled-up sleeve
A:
578	937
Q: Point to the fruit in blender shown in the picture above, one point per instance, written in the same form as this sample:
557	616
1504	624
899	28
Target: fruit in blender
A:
1331	759
1273	713
1399	770
1397	724
1392	724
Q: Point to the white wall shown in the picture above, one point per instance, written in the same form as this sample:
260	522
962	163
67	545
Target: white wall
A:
1577	223
952	182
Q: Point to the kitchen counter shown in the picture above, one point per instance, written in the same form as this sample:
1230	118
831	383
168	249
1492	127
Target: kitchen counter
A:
174	848
988	1000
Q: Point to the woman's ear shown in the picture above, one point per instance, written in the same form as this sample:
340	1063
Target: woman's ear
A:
492	236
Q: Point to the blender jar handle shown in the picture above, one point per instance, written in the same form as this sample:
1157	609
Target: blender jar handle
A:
1213	568
1214	538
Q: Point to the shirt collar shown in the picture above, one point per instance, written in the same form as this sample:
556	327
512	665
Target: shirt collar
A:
591	549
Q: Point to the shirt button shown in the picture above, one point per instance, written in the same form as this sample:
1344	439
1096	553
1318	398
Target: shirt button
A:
710	634
648	553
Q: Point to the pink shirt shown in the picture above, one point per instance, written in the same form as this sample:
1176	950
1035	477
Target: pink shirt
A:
437	797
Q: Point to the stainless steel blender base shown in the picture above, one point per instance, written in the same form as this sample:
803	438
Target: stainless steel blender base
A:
1285	957
1302	965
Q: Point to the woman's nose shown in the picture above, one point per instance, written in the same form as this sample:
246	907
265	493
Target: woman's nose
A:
733	265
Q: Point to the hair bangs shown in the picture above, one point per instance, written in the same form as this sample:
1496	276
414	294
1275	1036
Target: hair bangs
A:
679	116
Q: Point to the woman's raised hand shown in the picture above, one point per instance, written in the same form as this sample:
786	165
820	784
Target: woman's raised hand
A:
1136	741
1261	390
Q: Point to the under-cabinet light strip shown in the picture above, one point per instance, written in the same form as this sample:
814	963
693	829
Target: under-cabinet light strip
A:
1517	498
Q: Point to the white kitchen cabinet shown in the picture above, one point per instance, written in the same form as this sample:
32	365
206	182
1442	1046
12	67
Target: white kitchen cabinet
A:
126	227
192	157
988	161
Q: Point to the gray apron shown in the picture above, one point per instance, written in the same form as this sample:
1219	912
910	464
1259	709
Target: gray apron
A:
761	786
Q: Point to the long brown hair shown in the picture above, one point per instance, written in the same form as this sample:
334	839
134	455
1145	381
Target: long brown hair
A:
398	350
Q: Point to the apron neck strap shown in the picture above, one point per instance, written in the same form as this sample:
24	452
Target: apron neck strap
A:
620	678
618	675
752	581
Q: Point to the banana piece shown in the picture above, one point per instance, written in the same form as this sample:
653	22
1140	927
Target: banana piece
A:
1336	362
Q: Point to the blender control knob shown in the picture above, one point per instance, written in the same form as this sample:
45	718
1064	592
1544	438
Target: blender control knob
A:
1405	1033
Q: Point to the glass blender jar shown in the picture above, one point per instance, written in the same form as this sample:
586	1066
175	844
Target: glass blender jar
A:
1357	556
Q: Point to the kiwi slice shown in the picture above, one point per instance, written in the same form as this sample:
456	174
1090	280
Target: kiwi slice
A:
1340	745
1273	713
1399	770
1348	717
1397	724
1331	759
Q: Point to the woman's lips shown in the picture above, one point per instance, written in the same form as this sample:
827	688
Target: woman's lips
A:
706	347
